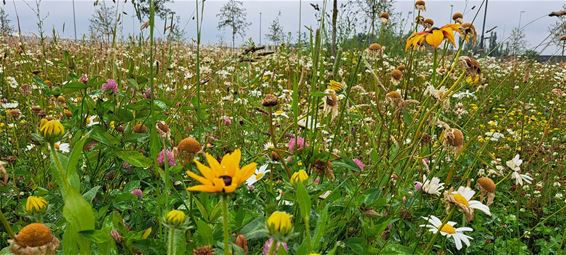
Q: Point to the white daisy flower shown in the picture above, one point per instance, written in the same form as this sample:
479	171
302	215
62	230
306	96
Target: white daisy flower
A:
63	147
258	175
92	120
520	178
11	105
515	163
463	199
432	186
435	225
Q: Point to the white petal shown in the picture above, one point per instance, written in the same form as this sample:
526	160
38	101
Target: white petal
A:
478	205
458	242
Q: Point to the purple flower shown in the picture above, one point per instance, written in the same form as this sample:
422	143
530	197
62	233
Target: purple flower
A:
296	143
170	157
110	85
84	78
269	243
227	121
147	93
360	164
137	192
418	186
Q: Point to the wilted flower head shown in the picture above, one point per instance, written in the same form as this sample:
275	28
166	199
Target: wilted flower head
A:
463	199
458	17
35	238
420	5
384	17
487	188
454	139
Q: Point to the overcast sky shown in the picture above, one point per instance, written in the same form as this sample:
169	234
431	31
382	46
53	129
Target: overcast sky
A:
504	14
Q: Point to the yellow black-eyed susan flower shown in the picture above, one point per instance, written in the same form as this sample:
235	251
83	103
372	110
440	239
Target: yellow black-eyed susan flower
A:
433	37
223	177
279	223
35	204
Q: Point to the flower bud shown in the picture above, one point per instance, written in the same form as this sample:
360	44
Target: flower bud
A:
175	217
279	223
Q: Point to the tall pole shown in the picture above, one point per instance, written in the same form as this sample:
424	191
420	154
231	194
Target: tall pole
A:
259	28
520	16
74	20
483	25
451	12
300	15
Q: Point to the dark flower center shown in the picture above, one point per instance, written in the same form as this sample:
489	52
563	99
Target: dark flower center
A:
227	180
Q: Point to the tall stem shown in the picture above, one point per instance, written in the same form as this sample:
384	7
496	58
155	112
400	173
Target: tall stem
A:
226	224
6	225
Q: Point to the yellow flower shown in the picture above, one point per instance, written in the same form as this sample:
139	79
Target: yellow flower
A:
433	37
35	204
336	86
175	217
51	130
279	223
223	177
299	176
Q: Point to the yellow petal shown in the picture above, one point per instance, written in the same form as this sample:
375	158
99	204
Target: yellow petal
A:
450	36
231	162
214	165
199	178
204	188
246	172
205	171
435	38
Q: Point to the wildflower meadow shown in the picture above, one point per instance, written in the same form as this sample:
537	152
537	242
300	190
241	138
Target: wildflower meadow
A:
392	141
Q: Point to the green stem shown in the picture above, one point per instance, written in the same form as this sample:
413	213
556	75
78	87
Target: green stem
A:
225	222
6	225
444	221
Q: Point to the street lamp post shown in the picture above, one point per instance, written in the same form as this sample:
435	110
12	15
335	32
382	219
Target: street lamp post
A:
259	28
483	25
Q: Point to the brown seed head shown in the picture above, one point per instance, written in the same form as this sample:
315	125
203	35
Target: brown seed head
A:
454	137
242	242
189	145
401	67
429	22
203	250
420	4
393	95
140	128
61	99
34	235
375	47
397	74
384	15
487	184
269	101
457	17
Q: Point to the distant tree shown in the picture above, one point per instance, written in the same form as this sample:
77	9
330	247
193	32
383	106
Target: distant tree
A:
233	16
275	33
142	8
372	9
494	48
173	29
558	29
517	42
5	26
102	22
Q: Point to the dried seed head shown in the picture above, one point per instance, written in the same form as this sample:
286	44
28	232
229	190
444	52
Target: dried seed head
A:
458	17
189	145
242	242
375	47
269	101
203	250
163	129
486	184
468	30
471	65
429	22
420	5
393	95
331	99
563	37
397	74
61	99
140	128
454	137
401	67
384	17
34	238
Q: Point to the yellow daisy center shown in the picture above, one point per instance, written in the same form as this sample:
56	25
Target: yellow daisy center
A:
460	199
448	229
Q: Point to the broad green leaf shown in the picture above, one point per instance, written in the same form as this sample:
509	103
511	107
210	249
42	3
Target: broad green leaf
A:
134	158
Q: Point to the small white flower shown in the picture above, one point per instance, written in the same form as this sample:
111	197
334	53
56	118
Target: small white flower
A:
432	186
520	178
11	105
515	163
92	120
435	225
258	175
63	147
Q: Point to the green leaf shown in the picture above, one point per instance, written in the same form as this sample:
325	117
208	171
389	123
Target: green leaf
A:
204	232
73	86
73	161
320	228
104	137
304	200
134	158
89	195
80	217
